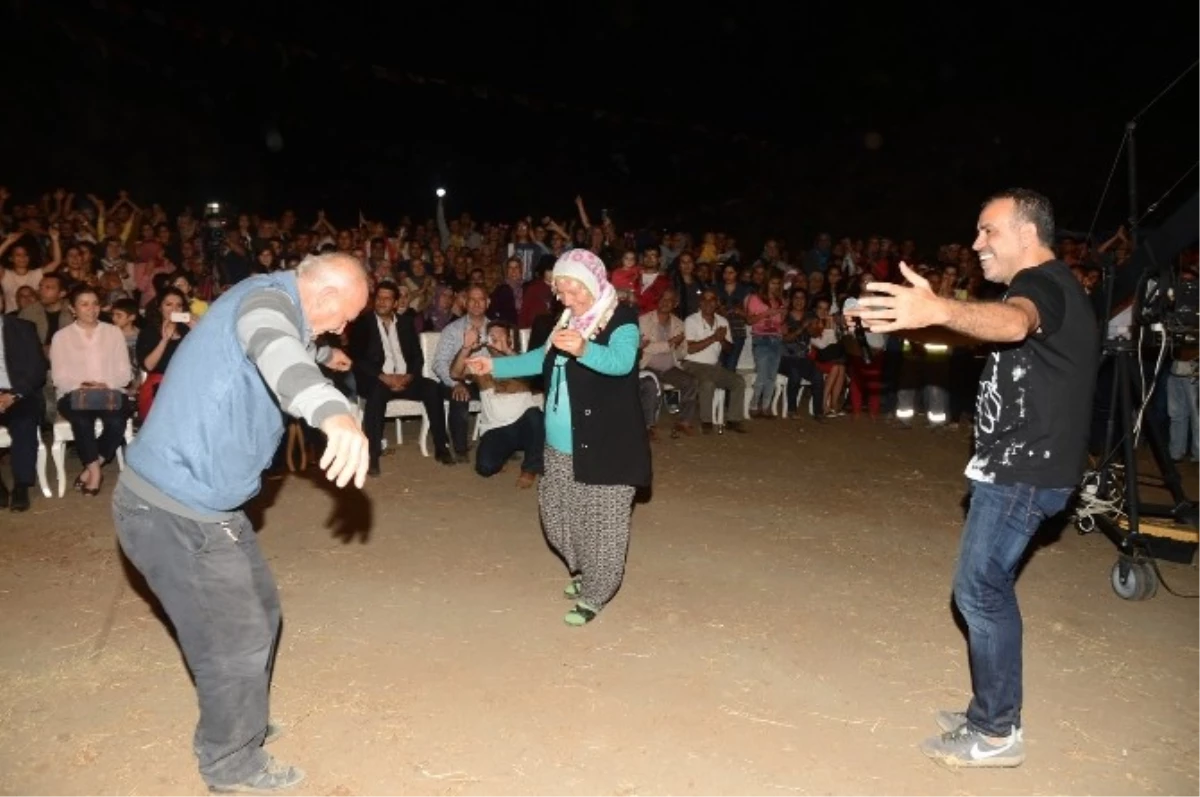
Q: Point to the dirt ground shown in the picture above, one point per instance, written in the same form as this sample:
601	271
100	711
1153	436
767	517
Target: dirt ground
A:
784	628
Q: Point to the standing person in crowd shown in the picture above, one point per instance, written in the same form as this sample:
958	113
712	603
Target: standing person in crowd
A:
196	462
765	311
1027	461
596	452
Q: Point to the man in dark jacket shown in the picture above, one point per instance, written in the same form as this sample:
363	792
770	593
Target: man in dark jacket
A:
22	375
387	365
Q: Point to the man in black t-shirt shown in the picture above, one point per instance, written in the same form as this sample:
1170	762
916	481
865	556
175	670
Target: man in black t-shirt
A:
1031	428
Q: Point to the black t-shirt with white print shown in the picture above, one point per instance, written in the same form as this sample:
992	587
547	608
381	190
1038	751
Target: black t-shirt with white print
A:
1033	409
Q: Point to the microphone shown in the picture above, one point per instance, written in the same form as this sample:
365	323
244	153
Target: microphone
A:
860	333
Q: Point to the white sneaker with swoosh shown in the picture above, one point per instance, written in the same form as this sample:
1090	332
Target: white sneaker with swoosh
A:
967	747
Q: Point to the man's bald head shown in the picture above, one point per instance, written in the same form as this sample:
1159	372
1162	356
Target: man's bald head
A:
333	290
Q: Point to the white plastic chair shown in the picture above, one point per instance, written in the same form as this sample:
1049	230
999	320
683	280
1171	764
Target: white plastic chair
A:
745	369
718	409
399	409
43	481
64	435
778	398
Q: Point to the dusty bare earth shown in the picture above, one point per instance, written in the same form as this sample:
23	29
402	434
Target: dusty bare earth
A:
784	628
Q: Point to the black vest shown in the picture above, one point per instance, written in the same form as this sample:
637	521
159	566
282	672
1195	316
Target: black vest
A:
608	432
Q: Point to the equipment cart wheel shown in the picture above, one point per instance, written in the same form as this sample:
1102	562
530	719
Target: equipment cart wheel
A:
1134	579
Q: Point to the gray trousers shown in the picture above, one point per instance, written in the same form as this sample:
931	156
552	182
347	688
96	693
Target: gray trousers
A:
712	377
214	585
689	395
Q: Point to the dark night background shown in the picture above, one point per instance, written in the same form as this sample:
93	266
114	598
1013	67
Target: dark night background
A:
748	118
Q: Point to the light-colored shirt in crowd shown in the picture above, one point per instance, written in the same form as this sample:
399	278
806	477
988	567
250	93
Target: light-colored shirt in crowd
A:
695	328
502	409
79	355
393	355
11	282
827	338
449	343
659	355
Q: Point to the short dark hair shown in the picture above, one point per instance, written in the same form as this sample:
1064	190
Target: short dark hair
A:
389	285
1032	208
127	306
54	275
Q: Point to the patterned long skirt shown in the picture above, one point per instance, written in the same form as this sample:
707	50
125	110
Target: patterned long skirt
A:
588	524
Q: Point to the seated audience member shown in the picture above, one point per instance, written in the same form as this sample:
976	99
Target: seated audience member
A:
387	357
89	364
22	375
167	322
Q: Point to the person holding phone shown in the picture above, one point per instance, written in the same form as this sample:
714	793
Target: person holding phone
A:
199	458
166	324
597	453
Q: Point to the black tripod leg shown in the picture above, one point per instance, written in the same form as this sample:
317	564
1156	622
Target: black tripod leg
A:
1125	378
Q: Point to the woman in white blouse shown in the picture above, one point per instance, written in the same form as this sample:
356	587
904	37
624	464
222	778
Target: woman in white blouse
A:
91	354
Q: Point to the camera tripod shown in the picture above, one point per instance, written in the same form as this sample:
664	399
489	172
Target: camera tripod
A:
1111	500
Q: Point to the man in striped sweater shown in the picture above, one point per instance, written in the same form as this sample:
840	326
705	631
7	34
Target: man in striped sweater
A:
199	458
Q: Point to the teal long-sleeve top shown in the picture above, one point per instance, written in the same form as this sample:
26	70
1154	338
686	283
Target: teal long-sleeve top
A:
616	357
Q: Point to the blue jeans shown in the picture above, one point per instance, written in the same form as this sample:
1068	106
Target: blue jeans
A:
999	526
767	353
527	433
1182	411
215	586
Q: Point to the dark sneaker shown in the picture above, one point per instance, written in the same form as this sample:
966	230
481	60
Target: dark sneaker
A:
446	458
275	778
966	747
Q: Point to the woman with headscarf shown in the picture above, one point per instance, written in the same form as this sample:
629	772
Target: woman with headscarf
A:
505	303
441	309
597	453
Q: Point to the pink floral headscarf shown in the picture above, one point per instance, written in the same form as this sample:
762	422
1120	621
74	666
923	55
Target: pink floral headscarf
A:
587	269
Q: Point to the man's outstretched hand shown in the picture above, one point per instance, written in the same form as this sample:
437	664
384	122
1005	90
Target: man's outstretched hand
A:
346	456
898	307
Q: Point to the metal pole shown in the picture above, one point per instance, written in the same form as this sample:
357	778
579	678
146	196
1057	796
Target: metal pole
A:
1131	162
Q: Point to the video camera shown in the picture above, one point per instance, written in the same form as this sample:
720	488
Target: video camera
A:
213	234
